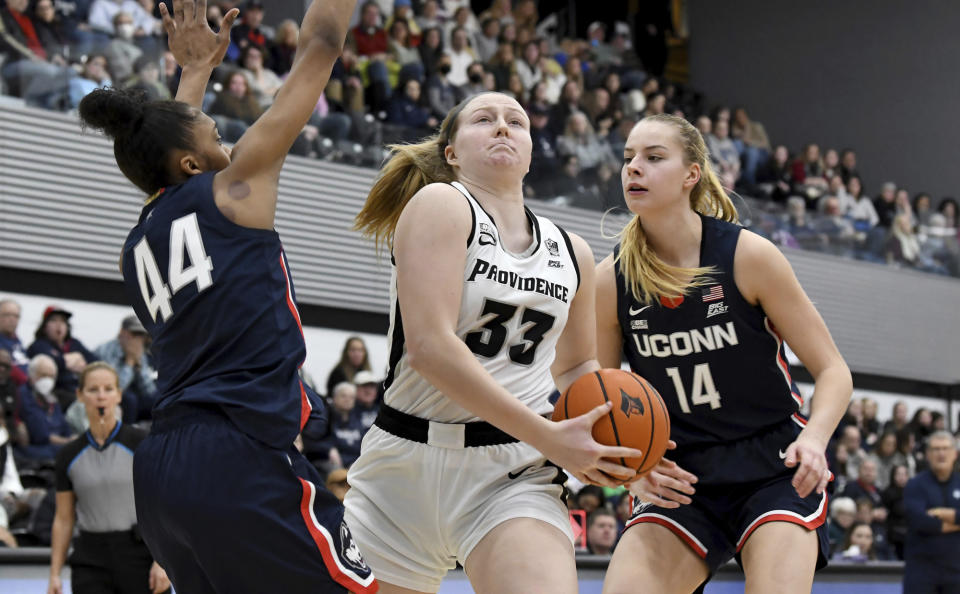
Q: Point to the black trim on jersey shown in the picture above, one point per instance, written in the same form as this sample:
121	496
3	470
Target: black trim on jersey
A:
534	223
396	346
573	254
409	427
473	222
537	236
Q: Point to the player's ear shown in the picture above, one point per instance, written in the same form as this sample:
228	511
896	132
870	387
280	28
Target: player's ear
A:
190	165
693	176
450	155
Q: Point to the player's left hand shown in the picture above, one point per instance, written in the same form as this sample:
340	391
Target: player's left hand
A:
189	36
810	453
159	582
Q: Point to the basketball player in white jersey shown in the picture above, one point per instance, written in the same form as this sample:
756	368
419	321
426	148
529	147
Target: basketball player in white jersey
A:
492	309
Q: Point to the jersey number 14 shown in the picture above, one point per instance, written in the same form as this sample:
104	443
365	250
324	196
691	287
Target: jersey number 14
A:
184	239
704	390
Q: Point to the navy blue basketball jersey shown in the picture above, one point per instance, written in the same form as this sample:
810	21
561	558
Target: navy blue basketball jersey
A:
716	360
218	301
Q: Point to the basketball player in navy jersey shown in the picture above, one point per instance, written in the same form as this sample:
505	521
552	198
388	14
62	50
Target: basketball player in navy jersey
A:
224	500
701	309
492	306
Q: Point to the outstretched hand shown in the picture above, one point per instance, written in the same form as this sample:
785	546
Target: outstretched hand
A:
191	40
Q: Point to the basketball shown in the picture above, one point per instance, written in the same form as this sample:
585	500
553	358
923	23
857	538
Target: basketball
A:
638	418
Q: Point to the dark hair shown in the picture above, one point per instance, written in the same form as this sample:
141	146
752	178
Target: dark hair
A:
893	473
144	132
599	512
250	48
872	554
345	365
945	201
595	491
917	198
41	335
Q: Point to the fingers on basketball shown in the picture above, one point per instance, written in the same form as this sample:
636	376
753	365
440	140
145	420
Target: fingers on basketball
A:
636	418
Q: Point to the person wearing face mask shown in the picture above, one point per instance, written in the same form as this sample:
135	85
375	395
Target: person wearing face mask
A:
474	85
122	52
103	12
46	426
442	95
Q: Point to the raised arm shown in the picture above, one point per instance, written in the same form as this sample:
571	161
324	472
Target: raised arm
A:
430	252
195	46
260	152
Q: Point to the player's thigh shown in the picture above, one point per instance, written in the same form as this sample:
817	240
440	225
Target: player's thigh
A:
523	555
652	555
780	557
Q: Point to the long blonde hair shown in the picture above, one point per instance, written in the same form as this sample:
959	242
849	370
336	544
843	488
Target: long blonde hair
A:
648	277
410	168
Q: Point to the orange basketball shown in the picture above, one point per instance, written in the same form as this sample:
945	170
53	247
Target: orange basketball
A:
638	418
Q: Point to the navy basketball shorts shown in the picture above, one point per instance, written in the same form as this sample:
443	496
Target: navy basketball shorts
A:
742	486
222	512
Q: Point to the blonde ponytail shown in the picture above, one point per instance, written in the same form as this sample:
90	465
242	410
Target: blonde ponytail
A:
410	168
648	277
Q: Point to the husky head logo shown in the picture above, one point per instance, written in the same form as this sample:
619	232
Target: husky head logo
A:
639	506
552	247
630	404
349	552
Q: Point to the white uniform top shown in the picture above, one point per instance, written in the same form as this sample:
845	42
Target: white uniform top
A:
512	311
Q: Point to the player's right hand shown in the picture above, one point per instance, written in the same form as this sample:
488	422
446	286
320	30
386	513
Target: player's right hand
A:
190	38
667	485
570	445
56	586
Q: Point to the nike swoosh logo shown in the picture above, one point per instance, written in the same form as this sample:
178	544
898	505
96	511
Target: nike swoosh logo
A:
783	455
634	312
514	475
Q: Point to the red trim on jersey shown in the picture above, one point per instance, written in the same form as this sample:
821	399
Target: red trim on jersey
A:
305	406
673	527
290	303
811	522
325	544
781	363
796	417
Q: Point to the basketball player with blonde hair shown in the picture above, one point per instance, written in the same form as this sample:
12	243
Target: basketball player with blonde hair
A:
492	308
701	308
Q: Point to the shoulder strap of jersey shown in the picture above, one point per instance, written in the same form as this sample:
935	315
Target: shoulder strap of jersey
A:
624	297
719	243
473	210
573	254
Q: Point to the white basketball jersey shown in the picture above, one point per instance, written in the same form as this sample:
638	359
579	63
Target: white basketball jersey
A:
512	311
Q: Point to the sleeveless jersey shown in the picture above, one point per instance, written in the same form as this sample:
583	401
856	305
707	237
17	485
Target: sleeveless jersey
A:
716	360
218	302
512	311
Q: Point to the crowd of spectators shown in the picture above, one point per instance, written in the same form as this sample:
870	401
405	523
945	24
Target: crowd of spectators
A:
40	412
408	62
872	459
